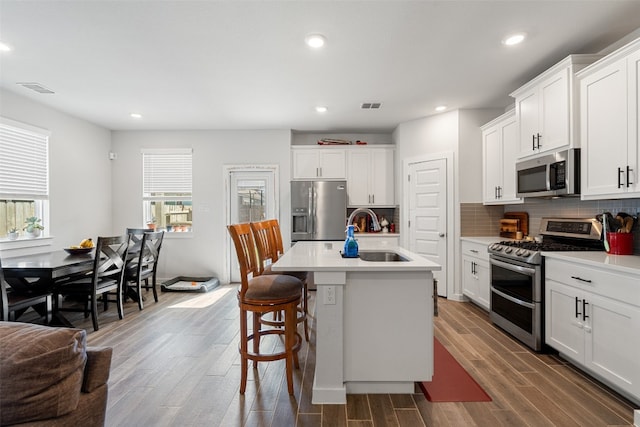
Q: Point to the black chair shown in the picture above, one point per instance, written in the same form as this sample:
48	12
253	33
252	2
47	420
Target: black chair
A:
144	267
106	278
13	304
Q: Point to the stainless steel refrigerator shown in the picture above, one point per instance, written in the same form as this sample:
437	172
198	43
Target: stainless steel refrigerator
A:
319	210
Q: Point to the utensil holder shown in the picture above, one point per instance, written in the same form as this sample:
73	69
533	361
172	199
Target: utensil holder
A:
620	243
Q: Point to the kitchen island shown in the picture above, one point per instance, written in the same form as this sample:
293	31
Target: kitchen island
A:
374	320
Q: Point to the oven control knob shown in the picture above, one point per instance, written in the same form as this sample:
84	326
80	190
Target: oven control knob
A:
525	253
495	247
508	250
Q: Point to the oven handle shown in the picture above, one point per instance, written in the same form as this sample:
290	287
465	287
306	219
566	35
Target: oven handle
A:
512	299
526	270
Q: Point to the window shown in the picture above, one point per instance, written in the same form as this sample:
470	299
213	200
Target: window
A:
167	176
24	175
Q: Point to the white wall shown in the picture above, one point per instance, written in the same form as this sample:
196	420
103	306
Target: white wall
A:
203	252
80	172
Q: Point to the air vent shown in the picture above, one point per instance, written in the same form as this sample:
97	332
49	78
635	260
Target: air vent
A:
36	87
370	105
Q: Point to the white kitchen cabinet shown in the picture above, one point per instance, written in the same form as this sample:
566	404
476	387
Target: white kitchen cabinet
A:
609	119
546	108
370	176
592	319
499	152
475	272
318	163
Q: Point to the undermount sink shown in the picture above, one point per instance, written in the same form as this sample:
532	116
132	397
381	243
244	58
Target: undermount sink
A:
381	256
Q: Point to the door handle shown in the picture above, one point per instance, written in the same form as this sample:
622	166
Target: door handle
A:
441	234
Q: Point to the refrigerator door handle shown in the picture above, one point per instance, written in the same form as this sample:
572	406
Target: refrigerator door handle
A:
312	213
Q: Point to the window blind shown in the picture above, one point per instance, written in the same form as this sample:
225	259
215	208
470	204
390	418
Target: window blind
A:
24	161
167	174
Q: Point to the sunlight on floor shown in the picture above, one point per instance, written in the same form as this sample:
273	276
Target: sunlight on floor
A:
206	299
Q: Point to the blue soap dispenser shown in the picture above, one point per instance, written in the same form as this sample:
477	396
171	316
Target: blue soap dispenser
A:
350	244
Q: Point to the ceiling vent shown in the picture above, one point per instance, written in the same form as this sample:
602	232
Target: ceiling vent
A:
36	87
370	105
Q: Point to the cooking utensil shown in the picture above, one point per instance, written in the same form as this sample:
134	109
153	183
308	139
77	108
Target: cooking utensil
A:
604	232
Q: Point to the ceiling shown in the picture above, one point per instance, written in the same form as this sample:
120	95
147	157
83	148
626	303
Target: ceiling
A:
244	65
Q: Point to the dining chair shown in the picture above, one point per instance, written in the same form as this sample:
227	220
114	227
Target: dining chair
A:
144	266
266	234
106	278
259	294
13	304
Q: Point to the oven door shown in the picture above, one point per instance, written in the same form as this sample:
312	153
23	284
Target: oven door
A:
515	303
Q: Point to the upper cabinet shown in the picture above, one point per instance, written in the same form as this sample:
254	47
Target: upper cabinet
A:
609	120
318	163
499	152
370	176
546	109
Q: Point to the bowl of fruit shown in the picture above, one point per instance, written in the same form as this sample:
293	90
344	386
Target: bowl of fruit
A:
84	247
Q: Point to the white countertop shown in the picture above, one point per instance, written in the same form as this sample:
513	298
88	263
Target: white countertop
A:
625	263
485	240
325	256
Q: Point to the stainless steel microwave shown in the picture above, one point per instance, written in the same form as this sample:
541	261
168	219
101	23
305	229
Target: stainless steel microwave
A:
553	175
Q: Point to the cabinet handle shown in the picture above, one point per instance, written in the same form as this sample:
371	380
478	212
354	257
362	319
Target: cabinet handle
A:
538	139
628	180
619	172
577	305
584	309
320	171
533	143
581	279
373	198
473	250
499	192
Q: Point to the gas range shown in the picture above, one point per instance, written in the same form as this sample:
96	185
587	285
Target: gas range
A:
557	234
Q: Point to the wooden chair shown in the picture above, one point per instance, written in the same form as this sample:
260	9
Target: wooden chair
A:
267	234
106	278
260	294
14	304
145	265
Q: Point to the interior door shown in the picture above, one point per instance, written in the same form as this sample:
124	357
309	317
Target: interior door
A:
252	197
428	214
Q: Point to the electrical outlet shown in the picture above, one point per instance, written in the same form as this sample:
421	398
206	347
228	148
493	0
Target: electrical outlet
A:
330	295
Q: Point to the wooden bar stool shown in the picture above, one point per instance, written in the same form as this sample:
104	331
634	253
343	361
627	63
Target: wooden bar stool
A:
260	294
266	243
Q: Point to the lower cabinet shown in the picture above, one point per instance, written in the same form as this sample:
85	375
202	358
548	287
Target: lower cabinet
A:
595	328
475	273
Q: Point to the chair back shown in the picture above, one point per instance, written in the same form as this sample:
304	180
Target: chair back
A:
245	245
265	243
136	238
110	258
4	300
277	237
150	253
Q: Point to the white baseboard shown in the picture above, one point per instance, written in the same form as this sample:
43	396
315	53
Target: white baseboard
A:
636	417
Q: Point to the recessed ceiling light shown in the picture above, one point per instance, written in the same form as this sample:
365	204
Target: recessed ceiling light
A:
514	39
441	107
315	41
136	115
4	47
321	109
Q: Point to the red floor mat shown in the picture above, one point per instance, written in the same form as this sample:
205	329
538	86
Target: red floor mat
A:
450	382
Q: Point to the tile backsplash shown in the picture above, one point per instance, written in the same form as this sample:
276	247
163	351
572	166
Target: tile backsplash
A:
479	220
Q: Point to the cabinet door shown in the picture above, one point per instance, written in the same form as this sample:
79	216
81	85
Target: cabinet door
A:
305	163
509	156
358	178
633	150
527	111
381	177
554	112
482	284
603	130
611	342
564	328
469	281
492	167
332	164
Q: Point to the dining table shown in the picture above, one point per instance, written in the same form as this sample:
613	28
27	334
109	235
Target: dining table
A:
45	271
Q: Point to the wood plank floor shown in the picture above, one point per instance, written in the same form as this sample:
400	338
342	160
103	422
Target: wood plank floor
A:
176	364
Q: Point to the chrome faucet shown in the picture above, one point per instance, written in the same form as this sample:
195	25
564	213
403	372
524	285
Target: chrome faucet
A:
372	214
